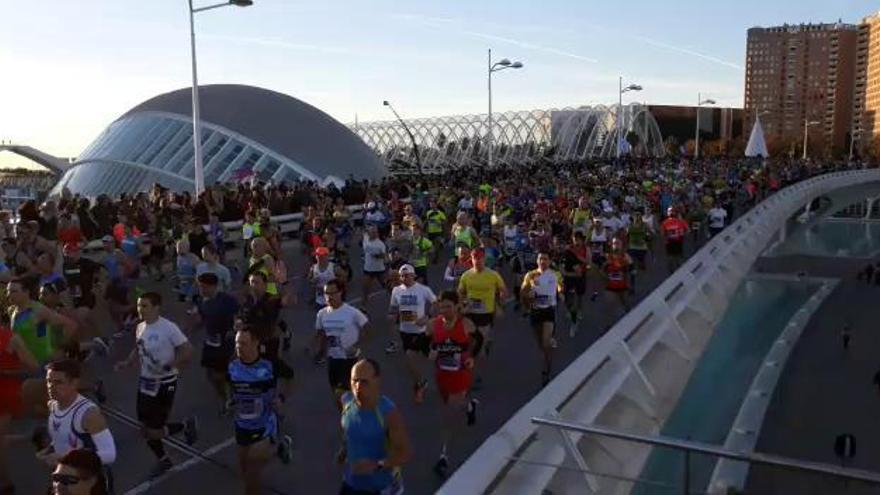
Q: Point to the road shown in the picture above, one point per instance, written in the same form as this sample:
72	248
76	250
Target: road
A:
511	376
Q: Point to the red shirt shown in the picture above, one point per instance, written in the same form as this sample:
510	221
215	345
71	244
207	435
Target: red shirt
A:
70	236
674	229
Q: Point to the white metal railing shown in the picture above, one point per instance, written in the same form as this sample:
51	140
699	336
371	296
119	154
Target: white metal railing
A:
702	285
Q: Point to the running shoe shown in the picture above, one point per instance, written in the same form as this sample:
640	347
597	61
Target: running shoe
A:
392	347
285	449
191	430
472	411
441	467
163	466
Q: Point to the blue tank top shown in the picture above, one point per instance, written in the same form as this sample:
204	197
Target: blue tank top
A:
253	390
366	437
130	247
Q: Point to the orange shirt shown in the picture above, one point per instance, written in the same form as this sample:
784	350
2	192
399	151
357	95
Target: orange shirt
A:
674	229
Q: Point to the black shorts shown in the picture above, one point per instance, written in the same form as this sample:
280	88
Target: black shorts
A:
379	276
482	319
538	316
578	285
153	410
217	358
245	438
339	373
675	248
416	342
713	231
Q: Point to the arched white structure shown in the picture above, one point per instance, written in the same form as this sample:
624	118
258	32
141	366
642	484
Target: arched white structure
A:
521	137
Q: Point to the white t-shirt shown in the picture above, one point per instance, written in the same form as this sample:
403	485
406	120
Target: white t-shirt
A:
717	216
374	255
409	303
511	232
374	217
545	288
342	326
156	343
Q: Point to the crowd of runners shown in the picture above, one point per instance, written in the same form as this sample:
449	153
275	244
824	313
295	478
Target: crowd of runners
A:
529	240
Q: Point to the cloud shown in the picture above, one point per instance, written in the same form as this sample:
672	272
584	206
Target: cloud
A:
687	51
279	43
454	25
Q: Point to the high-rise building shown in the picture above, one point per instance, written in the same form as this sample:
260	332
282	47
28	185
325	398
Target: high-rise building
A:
802	75
866	104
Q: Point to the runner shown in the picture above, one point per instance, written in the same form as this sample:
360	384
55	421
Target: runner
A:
540	290
375	442
717	220
74	421
257	404
216	312
421	254
341	329
162	350
261	311
459	264
480	287
31	320
674	230
452	350
575	264
375	253
435	226
619	264
212	265
16	365
321	272
409	307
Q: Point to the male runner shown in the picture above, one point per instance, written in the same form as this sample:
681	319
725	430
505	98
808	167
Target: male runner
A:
481	287
162	350
341	330
409	307
575	264
540	290
16	364
216	311
257	404
674	230
451	349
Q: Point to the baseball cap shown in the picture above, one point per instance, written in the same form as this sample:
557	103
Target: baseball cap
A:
407	270
322	251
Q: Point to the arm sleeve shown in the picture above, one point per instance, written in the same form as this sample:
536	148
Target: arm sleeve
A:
105	446
447	275
177	337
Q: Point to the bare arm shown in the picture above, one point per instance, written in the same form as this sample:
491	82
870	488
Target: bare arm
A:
399	451
68	325
182	355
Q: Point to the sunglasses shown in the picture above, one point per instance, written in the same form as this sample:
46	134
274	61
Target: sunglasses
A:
66	479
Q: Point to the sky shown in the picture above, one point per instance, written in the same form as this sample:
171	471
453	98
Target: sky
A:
69	68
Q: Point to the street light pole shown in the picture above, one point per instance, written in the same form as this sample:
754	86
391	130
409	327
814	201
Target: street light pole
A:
700	103
497	66
412	138
621	91
852	143
196	114
807	125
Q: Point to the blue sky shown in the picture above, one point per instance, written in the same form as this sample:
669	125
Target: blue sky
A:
71	67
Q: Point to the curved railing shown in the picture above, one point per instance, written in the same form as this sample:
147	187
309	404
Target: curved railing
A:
616	363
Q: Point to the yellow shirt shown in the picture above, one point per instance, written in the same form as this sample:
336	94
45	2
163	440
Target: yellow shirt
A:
481	289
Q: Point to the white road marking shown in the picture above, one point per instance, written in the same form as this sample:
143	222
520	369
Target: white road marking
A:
192	461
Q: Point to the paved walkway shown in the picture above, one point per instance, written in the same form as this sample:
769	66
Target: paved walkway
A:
825	390
512	377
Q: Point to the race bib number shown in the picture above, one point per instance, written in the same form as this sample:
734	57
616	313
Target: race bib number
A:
408	316
149	387
542	299
334	342
616	276
449	361
477	306
249	408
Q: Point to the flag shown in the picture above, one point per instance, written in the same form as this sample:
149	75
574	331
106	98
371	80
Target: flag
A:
243	173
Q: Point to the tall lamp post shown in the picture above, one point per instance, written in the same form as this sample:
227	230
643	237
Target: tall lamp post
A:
495	67
621	91
197	126
700	103
807	125
411	136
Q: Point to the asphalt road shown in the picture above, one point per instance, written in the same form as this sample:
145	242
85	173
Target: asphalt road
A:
511	377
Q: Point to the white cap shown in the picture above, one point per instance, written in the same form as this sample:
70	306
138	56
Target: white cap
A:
407	270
